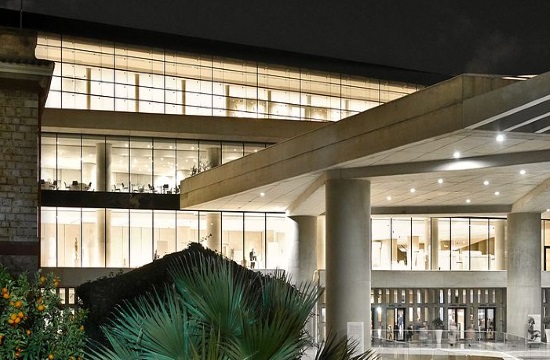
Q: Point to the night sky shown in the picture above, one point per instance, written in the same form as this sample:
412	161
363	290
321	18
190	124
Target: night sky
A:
441	36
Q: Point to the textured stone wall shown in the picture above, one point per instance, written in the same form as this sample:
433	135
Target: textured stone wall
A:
19	112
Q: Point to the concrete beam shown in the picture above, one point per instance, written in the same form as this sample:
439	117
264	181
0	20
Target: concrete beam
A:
475	162
536	200
174	126
429	113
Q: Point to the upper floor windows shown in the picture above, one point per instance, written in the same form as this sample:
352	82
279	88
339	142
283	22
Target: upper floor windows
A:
110	76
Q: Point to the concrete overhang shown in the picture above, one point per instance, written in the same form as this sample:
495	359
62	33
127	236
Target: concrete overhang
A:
216	128
404	144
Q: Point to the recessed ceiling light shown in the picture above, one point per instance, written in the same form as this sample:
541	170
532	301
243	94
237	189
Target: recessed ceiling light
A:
500	138
413	190
497	193
522	172
547	209
440	181
456	155
262	194
388	198
486	182
468	201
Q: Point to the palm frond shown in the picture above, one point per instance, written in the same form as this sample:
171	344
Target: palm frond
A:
216	293
153	326
341	348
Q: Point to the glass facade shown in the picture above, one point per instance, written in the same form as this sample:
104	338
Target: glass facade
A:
130	164
395	310
128	238
434	243
102	75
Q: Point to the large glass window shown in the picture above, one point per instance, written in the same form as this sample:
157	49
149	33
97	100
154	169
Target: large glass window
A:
141	167
118	237
460	244
93	74
233	236
444	242
277	230
164	167
141	237
164	232
110	163
187	228
254	240
382	244
480	236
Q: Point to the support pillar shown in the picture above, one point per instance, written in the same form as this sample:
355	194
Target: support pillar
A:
303	248
96	248
523	294
348	258
500	244
214	156
104	180
434	243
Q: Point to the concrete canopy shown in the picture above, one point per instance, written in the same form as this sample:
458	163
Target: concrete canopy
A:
406	144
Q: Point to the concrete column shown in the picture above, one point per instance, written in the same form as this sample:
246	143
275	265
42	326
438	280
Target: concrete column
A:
523	294
97	248
303	248
321	242
500	244
434	243
213	232
214	156
348	256
104	173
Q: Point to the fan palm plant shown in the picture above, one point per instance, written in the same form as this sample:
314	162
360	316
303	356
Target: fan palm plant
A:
214	310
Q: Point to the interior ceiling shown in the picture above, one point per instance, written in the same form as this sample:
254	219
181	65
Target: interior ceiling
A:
457	185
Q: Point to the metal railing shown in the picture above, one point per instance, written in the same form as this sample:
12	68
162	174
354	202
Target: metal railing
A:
447	344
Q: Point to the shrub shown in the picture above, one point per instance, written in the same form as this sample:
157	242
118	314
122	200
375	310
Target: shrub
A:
33	322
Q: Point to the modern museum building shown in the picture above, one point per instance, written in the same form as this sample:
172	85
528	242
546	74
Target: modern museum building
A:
408	195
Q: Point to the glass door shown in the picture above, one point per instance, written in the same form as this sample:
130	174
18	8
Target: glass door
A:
456	321
399	324
486	323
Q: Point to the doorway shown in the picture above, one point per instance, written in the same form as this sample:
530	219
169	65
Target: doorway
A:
486	323
457	317
395	318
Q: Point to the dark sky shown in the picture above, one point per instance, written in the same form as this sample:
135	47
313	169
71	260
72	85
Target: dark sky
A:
442	36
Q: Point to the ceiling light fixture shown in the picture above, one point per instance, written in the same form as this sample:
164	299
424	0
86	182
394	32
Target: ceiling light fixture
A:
500	138
468	201
413	190
522	172
262	194
440	181
497	193
456	155
486	182
388	198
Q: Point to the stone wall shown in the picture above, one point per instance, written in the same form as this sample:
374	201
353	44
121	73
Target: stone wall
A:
24	84
19	111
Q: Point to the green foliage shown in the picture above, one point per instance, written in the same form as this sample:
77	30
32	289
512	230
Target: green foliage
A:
437	323
33	322
343	349
214	310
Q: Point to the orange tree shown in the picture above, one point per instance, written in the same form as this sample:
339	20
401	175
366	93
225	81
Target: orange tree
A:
33	322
